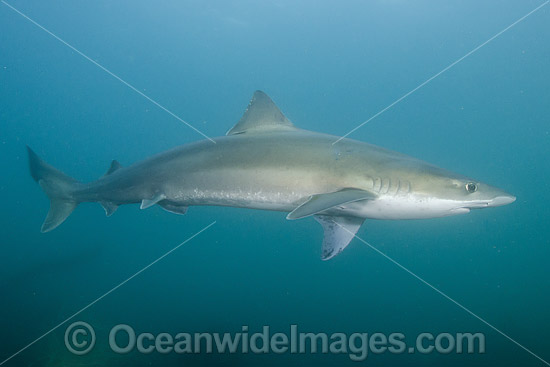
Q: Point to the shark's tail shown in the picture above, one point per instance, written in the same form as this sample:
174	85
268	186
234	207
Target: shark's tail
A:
58	186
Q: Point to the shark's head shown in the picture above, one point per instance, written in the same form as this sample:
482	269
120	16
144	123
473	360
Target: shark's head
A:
455	194
471	194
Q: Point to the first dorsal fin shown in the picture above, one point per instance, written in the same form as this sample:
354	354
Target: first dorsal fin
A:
114	166
260	116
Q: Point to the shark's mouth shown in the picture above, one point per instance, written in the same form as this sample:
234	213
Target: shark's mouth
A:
477	205
497	201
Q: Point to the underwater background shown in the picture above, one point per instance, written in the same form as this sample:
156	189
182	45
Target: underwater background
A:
329	65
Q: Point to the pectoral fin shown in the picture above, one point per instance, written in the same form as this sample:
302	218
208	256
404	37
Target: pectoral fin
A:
321	202
339	231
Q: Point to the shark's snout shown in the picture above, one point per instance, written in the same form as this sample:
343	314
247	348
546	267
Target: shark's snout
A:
502	200
497	199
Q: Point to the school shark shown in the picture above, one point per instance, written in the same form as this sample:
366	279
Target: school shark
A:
265	162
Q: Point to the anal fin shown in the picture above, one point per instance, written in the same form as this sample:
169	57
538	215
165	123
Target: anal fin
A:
176	209
339	231
109	207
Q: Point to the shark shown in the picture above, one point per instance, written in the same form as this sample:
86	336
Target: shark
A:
265	162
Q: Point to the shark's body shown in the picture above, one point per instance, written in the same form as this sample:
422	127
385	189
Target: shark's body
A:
265	162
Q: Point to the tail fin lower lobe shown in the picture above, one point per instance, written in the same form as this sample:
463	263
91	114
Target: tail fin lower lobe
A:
58	187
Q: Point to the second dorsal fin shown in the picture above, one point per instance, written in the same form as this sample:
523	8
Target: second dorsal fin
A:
262	115
114	166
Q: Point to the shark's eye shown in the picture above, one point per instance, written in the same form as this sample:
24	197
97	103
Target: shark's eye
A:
471	187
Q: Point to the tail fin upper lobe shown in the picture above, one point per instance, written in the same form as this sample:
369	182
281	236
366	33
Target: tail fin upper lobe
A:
58	186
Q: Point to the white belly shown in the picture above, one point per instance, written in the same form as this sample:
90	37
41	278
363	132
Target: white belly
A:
405	207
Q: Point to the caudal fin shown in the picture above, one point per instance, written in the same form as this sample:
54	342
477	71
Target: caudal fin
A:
58	186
